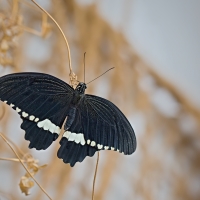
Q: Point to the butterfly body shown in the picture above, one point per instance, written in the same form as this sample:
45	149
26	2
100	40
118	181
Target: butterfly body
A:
44	102
76	99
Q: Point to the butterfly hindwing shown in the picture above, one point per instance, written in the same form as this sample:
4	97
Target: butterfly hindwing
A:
42	102
73	144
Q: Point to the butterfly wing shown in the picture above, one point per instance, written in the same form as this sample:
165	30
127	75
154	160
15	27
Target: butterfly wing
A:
98	125
73	144
42	102
107	127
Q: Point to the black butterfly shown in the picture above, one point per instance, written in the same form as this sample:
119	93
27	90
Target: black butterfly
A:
44	101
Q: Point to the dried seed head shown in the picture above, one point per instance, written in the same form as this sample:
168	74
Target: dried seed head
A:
25	185
10	30
25	182
4	45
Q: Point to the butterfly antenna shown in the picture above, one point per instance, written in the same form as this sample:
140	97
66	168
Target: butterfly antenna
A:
100	75
84	66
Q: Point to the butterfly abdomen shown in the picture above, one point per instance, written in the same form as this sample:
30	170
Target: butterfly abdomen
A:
76	99
70	117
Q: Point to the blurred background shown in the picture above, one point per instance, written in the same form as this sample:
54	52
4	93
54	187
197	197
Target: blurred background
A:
154	46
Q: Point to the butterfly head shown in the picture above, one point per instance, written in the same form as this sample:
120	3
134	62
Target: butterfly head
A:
81	87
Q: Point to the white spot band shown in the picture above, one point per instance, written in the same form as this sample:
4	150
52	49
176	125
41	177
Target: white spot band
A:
79	138
32	117
18	110
47	125
24	114
76	137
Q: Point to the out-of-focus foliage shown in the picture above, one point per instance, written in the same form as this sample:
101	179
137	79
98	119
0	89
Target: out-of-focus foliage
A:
166	164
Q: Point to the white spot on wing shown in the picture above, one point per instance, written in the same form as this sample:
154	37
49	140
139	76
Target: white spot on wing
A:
40	124
52	128
82	140
57	130
93	143
18	110
66	134
5	101
106	148
78	138
12	105
48	125
88	141
32	117
24	114
72	137
112	148
99	146
36	120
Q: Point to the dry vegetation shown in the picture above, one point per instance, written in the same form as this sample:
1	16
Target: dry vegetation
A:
166	164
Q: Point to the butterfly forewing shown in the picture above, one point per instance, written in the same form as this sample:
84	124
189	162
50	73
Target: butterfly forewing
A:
109	128
42	102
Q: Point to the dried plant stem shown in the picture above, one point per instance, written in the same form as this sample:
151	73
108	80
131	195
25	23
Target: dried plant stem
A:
69	55
28	4
30	30
16	147
95	175
14	8
24	165
3	112
12	159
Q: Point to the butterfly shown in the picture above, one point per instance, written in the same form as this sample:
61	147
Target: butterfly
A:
44	102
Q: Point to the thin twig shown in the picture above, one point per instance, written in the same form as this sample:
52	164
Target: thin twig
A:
24	165
16	147
28	4
3	112
15	9
95	175
12	159
69	55
30	30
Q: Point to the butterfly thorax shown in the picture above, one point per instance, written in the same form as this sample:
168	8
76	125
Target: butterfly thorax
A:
78	94
80	88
